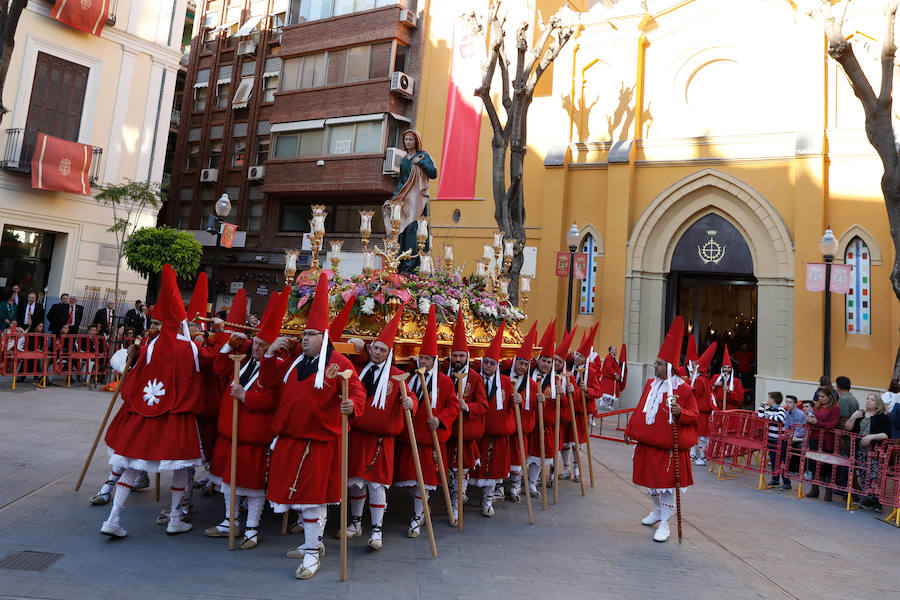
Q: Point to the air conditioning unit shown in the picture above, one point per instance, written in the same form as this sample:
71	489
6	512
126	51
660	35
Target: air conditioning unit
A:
392	159
402	84
408	17
256	173
275	37
247	48
209	175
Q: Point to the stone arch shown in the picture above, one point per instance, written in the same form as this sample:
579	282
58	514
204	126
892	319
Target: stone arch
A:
595	233
652	243
863	234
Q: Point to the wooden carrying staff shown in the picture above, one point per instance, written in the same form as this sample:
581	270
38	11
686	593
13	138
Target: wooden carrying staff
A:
109	408
438	453
576	451
522	457
672	398
407	414
345	423
459	455
587	430
556	453
543	454
232	494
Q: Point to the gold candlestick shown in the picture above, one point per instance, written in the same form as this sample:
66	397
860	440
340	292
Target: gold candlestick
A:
290	266
365	227
336	254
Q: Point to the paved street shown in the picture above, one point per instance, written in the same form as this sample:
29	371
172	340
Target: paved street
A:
739	542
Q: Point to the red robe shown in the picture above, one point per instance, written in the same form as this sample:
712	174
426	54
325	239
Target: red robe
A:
735	396
499	424
372	434
703	397
529	420
549	421
473	421
171	435
213	385
304	467
653	462
566	433
255	434
446	410
608	373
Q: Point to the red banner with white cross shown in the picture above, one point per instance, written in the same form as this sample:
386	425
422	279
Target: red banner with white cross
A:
61	165
86	15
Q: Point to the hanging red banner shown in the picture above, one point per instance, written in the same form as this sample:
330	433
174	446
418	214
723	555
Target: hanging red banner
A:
562	264
228	232
580	265
61	165
815	277
840	279
86	15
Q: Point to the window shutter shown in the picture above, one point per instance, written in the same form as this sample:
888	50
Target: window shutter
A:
57	99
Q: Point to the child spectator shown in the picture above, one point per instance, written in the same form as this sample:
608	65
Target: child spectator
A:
772	410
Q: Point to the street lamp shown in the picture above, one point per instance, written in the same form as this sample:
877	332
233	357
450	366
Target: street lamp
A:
214	226
828	246
572	237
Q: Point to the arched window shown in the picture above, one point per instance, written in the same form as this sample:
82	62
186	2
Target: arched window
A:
859	298
588	285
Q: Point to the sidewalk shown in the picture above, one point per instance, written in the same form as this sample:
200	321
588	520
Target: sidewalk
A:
739	542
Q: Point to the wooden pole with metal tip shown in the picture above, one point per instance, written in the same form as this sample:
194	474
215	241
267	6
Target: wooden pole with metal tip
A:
522	457
576	451
345	395
407	414
438	453
156	490
543	453
109	408
587	429
459	454
232	495
284	521
556	452
677	467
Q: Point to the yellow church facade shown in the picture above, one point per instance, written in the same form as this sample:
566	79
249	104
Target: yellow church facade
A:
702	148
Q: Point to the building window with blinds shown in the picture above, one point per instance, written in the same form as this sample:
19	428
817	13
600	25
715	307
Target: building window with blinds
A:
859	298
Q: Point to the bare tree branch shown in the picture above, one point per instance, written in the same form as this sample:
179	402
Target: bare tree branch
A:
888	52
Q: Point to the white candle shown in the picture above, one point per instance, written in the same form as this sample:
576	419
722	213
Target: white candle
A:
319	223
480	268
504	286
498	239
509	246
365	221
290	259
336	248
448	253
425	265
369	261
423	227
525	285
488	253
395	212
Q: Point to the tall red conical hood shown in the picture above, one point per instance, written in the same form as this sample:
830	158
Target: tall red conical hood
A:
726	359
237	315
318	310
706	358
622	355
584	348
496	347
336	329
197	306
429	340
623	365
670	351
692	349
527	348
460	343
169	310
562	350
273	315
548	340
388	334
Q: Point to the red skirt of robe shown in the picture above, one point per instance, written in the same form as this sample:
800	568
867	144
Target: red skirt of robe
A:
170	436
655	467
367	460
252	463
319	480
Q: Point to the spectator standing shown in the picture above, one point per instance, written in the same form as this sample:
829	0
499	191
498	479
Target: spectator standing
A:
875	426
134	316
891	396
8	313
18	297
826	416
74	314
105	318
847	401
56	316
772	410
794	421
31	313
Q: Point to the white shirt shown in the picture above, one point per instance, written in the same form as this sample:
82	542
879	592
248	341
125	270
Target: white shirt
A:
889	398
28	312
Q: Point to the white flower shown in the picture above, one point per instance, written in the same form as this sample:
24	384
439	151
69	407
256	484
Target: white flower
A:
368	306
152	391
454	304
424	305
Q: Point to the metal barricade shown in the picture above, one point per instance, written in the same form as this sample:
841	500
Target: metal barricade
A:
79	356
739	439
33	356
887	484
598	419
829	458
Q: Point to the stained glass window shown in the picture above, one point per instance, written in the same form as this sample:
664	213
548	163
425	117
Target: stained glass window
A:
859	298
588	286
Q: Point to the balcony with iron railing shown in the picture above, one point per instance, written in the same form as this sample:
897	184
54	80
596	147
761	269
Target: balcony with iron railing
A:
20	150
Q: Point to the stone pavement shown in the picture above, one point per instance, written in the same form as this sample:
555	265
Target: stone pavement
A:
739	542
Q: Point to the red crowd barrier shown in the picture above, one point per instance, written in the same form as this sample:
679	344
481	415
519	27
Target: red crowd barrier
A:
887	484
80	355
739	439
618	414
32	355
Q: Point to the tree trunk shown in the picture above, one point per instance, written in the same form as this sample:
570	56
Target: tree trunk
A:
9	21
891	191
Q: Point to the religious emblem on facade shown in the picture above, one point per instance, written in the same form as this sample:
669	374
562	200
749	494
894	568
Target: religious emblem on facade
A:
711	251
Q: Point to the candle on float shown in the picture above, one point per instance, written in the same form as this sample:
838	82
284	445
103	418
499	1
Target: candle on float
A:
336	248
498	239
369	261
488	252
480	268
423	227
503	286
290	259
318	223
365	221
525	284
448	253
509	246
426	267
395	212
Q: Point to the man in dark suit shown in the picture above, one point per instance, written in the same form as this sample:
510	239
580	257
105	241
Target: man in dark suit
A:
58	313
32	312
105	319
74	314
133	317
18	297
